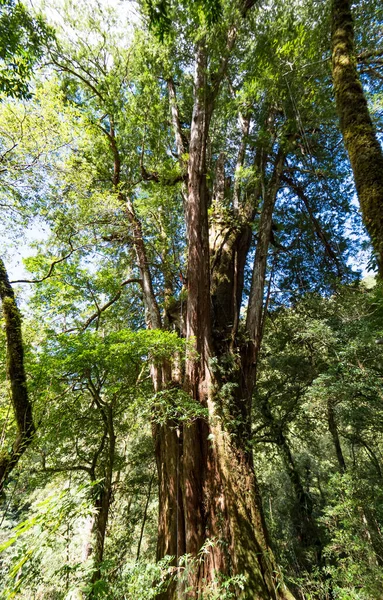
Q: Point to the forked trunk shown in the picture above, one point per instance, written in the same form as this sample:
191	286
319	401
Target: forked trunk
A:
210	510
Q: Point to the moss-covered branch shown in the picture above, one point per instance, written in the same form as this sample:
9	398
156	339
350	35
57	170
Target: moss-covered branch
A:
16	375
358	131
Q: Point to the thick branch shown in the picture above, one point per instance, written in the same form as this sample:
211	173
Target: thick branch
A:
65	468
176	119
254	313
153	317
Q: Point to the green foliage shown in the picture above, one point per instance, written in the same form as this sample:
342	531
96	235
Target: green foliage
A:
21	46
31	556
321	355
173	404
138	581
160	13
352	563
103	106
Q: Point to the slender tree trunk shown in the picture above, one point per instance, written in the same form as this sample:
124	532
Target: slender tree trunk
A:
254	319
335	435
303	519
333	428
22	408
373	458
102	506
358	132
373	533
144	517
103	501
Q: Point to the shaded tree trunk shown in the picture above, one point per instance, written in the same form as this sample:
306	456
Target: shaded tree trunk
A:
171	527
102	506
22	407
144	517
372	530
303	519
332	425
358	132
104	492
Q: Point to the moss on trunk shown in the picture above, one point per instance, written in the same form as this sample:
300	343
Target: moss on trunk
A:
22	408
358	131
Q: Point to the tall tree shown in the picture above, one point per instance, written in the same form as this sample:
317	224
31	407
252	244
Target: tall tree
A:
21	405
359	134
219	151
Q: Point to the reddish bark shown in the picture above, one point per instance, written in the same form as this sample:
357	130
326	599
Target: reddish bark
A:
208	491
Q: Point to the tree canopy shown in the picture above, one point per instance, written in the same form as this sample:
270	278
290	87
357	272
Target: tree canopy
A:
191	357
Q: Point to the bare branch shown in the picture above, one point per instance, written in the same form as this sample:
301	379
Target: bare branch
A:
67	69
108	304
51	268
300	193
103	308
64	468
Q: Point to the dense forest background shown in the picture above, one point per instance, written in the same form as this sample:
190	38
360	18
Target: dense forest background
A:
191	355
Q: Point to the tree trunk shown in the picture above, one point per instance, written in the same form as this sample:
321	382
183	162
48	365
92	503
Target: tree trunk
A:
104	498
210	508
358	132
208	495
171	528
102	506
372	530
22	408
144	517
335	435
224	515
303	519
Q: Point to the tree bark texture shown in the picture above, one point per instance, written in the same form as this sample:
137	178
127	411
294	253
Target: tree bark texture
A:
22	408
210	507
357	129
